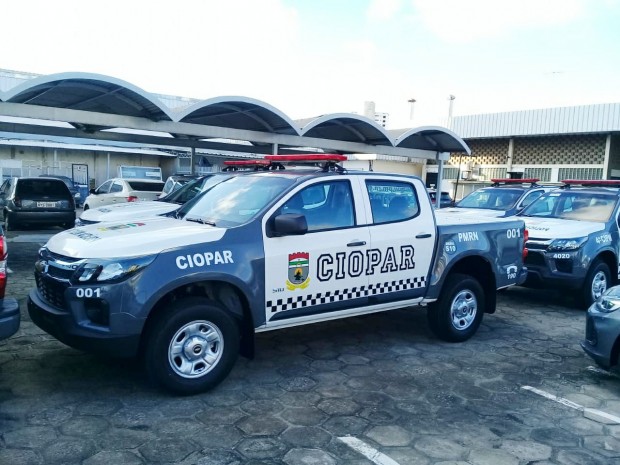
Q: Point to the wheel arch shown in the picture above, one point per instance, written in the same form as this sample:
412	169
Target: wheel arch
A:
609	258
480	269
230	296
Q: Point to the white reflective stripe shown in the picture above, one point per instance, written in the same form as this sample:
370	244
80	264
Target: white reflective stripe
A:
367	451
590	413
560	400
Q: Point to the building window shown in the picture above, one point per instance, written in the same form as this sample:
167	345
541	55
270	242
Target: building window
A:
544	174
493	173
450	173
580	173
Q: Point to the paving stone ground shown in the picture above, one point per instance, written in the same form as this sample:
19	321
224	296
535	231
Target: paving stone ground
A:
383	379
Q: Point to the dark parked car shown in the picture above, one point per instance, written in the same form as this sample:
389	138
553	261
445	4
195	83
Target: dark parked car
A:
74	188
36	201
445	200
9	308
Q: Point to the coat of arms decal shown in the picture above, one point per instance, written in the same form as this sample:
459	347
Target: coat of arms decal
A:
298	271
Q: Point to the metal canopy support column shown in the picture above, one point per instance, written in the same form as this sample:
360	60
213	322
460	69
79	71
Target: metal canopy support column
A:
275	149
191	161
439	180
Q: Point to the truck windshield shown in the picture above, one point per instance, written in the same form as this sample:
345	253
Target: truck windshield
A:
236	201
580	206
493	199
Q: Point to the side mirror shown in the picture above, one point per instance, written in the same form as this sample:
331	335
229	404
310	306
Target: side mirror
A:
93	191
290	224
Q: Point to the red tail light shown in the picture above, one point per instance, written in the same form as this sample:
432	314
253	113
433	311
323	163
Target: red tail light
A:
132	198
526	236
3	256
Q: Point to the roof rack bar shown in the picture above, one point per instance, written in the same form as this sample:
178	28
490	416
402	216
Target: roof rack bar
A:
590	183
327	161
256	165
499	181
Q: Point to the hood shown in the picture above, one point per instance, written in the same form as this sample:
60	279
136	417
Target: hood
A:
128	211
486	212
131	239
554	228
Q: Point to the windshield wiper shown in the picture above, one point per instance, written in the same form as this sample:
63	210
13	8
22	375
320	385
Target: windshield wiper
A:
201	221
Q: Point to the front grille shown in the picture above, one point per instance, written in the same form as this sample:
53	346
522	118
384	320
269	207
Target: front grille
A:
59	272
534	259
51	290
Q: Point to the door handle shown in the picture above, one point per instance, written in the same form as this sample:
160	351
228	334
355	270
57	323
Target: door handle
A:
423	236
356	243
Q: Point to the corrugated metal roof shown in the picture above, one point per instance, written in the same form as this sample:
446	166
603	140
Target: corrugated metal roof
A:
564	120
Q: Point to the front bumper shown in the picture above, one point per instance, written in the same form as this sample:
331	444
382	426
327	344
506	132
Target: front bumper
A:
547	269
9	317
73	329
602	332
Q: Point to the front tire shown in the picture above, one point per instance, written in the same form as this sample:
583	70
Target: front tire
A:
192	346
457	314
597	281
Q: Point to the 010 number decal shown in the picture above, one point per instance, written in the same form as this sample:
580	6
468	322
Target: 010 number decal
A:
87	292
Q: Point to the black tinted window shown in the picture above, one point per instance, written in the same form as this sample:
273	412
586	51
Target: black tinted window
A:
146	186
41	187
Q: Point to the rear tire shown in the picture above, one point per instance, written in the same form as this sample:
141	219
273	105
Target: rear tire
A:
191	346
597	281
457	314
9	222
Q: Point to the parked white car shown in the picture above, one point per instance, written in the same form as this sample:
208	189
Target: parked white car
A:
119	190
159	207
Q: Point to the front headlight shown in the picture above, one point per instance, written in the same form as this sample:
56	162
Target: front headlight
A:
110	270
567	244
609	301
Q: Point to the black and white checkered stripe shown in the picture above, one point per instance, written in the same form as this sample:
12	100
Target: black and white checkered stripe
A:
302	301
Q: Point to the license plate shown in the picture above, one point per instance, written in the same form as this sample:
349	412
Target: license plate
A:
46	204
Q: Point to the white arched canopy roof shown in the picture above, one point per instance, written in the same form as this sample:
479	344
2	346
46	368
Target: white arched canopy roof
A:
93	102
430	138
347	127
238	113
88	92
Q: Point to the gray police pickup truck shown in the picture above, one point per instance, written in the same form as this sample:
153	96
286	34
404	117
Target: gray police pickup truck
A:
573	238
269	250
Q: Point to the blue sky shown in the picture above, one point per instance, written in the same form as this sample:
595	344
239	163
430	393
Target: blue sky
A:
312	57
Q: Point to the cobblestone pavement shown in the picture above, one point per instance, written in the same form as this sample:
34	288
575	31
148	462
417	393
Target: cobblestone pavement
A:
380	381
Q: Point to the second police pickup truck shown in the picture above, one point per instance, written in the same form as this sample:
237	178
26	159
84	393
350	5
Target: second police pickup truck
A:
269	250
573	238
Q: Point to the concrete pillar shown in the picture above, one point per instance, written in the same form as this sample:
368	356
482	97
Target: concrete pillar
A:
510	154
606	171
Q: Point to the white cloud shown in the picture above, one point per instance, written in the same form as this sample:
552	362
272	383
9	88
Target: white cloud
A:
380	10
467	20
